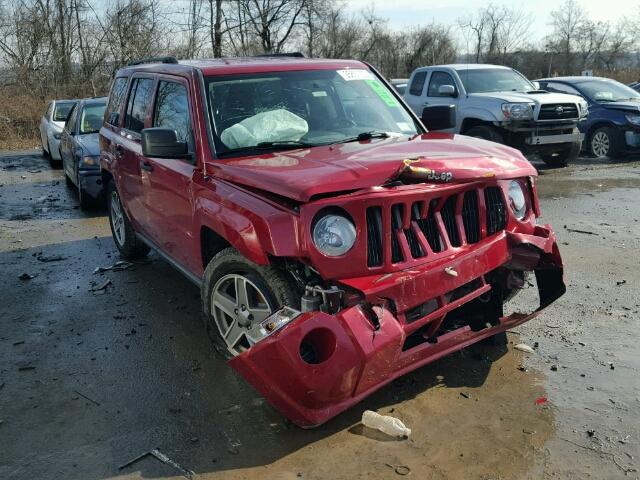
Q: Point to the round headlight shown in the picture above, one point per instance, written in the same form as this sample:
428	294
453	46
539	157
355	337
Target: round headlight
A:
517	200
334	235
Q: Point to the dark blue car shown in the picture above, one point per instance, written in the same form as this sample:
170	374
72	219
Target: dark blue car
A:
80	149
613	125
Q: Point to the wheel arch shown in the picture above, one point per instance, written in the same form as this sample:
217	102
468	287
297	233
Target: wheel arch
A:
596	126
470	122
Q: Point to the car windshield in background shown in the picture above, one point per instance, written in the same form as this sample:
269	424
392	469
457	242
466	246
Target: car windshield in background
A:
301	108
482	80
62	111
607	91
91	119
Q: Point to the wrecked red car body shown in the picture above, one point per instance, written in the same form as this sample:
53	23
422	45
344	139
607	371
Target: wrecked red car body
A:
443	229
355	355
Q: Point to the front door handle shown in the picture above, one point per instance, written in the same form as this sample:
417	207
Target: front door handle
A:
146	166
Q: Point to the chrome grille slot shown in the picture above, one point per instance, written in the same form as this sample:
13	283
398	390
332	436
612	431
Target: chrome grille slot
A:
429	228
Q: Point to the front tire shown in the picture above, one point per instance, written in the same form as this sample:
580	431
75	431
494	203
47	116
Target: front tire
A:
606	142
237	295
486	132
124	236
563	157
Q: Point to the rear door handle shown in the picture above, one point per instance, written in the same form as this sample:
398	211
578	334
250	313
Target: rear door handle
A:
146	166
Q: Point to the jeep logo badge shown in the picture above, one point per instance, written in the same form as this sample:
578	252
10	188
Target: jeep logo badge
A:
559	110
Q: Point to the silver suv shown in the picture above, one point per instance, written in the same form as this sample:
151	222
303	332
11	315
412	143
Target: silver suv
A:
499	104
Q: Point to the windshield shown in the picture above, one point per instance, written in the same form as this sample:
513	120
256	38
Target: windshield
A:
62	111
482	80
607	91
91	119
311	107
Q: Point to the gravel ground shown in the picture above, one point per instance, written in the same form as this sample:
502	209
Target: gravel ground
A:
90	379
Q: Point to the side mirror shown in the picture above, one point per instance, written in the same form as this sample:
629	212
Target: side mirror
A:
447	91
163	143
439	117
536	85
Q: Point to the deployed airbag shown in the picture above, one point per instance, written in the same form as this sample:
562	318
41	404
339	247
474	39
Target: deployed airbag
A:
272	126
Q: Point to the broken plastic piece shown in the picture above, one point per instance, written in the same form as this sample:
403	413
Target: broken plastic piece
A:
523	347
386	424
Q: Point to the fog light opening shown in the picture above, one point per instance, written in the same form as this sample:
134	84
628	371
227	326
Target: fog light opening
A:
317	346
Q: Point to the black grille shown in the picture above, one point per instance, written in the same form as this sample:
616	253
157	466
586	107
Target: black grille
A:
496	211
558	111
374	236
448	213
470	216
396	225
429	228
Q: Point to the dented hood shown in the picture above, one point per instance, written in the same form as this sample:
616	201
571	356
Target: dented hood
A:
303	173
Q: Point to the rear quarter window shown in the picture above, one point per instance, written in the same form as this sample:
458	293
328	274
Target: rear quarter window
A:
116	98
61	111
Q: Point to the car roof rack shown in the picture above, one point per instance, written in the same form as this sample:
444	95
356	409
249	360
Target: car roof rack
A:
290	54
166	59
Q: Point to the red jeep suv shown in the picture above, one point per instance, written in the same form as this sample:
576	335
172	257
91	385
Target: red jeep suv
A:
337	244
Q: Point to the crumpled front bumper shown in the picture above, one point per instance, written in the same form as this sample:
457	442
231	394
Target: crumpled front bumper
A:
355	359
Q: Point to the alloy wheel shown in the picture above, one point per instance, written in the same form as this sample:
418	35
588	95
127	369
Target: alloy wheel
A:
600	144
117	218
238	305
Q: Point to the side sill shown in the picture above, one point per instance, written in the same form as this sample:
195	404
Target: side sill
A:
196	280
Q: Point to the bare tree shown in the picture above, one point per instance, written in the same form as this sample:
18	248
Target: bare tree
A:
273	21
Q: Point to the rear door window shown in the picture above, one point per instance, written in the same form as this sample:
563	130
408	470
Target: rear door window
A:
417	84
172	110
116	98
138	105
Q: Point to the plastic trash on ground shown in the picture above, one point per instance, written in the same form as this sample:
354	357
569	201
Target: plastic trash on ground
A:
386	424
273	126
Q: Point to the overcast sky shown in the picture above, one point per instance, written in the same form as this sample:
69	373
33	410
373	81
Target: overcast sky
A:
403	13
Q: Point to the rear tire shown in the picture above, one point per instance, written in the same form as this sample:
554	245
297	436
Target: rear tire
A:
124	236
266	289
486	132
606	142
84	200
563	157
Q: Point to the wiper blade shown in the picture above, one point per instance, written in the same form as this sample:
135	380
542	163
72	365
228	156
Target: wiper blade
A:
277	144
364	136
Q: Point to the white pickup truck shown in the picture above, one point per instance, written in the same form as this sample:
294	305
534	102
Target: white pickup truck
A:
499	104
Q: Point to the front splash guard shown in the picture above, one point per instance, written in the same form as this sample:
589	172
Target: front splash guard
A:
352	359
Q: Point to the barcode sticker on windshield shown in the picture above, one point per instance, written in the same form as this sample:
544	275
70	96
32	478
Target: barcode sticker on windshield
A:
356	74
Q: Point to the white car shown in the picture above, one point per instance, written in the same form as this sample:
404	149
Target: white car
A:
51	126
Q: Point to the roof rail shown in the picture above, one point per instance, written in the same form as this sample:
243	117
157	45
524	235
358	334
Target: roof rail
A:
290	54
154	60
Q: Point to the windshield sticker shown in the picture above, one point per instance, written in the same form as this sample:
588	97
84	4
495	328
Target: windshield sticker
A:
404	126
384	94
356	74
320	93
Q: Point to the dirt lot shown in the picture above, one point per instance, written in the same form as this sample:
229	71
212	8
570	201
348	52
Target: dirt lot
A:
90	380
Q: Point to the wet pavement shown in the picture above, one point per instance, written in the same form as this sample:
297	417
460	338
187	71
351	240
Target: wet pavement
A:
92	378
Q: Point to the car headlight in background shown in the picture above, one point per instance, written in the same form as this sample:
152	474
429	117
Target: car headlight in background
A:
633	119
517	111
89	161
584	108
334	234
517	199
